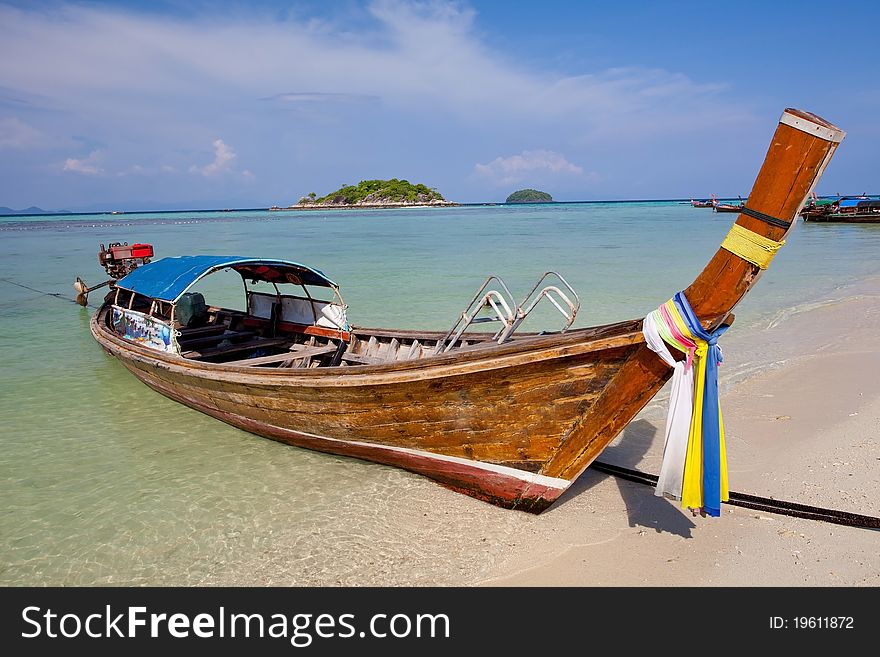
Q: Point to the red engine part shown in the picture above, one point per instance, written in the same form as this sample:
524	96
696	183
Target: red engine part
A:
119	258
141	250
117	251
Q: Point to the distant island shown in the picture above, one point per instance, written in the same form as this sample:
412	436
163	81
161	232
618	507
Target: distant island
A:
529	196
373	194
32	210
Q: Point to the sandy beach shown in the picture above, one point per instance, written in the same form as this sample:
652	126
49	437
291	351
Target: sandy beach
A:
804	430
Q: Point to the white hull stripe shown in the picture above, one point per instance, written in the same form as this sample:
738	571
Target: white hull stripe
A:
530	477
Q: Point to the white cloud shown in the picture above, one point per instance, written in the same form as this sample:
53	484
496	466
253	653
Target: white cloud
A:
223	157
17	134
307	97
330	95
87	166
425	55
527	165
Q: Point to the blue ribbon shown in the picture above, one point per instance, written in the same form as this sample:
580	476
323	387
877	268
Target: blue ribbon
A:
711	418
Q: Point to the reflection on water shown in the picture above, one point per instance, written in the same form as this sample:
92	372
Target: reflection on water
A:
106	482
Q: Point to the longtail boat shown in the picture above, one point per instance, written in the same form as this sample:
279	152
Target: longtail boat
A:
510	418
717	206
858	210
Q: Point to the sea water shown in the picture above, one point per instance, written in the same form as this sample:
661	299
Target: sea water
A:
104	481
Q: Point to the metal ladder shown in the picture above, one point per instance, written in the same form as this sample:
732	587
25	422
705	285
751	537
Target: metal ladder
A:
509	313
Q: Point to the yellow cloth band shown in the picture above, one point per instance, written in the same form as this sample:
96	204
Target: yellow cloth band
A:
750	246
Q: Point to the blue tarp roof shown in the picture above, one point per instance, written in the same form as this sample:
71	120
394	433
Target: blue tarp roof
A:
168	278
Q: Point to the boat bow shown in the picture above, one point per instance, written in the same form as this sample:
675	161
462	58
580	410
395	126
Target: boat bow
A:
799	151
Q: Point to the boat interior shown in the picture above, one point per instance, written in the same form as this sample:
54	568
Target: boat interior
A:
302	330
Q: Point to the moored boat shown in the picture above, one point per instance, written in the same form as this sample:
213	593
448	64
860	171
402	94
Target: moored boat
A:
816	206
511	418
844	210
717	206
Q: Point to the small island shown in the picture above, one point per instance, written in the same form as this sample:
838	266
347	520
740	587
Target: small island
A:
31	211
391	193
529	196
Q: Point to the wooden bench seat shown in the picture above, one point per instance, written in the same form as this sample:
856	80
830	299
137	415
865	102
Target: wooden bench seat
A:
198	332
293	354
231	349
213	339
363	360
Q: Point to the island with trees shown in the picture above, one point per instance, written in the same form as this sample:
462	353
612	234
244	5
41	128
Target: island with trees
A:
529	196
391	193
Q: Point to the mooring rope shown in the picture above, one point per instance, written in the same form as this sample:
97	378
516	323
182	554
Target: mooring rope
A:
57	295
747	501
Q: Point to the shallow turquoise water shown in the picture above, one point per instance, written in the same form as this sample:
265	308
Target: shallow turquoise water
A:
105	482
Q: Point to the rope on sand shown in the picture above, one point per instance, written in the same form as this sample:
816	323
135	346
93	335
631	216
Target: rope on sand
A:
747	501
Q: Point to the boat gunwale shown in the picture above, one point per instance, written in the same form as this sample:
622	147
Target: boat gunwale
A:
490	356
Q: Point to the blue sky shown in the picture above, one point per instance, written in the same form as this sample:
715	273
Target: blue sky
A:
165	104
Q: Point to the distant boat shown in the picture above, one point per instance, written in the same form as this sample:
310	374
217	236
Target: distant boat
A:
510	418
847	209
816	206
727	207
701	204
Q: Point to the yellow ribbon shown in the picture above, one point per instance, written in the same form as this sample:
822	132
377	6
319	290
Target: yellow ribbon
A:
692	480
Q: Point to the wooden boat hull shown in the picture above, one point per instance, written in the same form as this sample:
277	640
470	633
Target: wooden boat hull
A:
483	423
851	218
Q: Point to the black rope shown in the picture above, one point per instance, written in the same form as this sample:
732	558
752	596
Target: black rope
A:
766	218
57	295
754	502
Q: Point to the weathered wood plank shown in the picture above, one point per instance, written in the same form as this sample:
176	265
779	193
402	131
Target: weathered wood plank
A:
212	339
287	355
235	348
361	359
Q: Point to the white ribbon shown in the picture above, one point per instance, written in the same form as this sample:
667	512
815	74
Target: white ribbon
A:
678	419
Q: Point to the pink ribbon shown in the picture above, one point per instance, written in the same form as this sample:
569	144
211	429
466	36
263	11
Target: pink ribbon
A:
673	328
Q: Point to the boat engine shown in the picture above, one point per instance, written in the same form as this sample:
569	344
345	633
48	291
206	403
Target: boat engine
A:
118	259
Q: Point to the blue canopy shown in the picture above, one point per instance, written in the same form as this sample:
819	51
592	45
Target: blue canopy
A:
167	279
850	202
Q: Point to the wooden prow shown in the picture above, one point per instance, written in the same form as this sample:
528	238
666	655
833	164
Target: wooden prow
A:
794	163
798	153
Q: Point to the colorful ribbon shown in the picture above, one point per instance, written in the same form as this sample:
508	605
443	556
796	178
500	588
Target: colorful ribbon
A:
704	480
678	418
707	430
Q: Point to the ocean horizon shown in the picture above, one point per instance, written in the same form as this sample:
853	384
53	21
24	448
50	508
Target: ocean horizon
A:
66	213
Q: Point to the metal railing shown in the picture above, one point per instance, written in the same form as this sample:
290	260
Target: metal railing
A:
510	314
